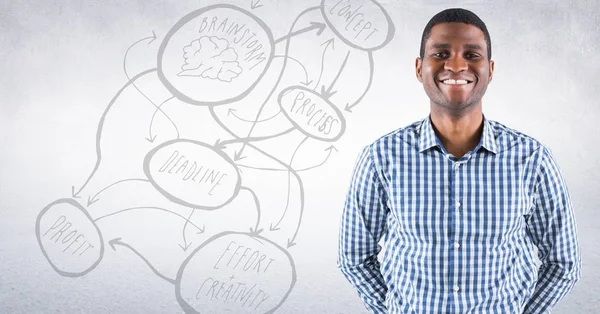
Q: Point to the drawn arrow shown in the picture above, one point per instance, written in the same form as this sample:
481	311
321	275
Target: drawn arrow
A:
117	241
150	207
73	194
255	4
232	111
152	138
100	127
287	202
330	149
314	25
290	241
254	230
306	81
237	156
153	37
219	144
327	93
94	199
186	245
371	69
327	44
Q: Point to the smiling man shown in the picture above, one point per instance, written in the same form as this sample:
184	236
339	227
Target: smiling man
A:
461	202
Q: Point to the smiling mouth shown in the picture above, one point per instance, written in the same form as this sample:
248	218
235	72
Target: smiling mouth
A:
452	82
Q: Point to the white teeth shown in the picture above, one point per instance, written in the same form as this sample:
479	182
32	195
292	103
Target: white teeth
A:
455	82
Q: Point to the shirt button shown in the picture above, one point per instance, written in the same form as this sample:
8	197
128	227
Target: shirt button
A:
456	245
457	204
456	288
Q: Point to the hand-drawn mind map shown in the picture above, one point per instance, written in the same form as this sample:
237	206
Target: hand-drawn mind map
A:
220	59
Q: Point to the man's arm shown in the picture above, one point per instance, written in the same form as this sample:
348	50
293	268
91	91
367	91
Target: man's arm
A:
362	225
552	228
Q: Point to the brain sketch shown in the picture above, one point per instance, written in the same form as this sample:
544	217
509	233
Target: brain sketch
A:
210	57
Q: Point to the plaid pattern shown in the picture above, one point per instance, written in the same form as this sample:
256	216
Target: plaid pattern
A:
459	234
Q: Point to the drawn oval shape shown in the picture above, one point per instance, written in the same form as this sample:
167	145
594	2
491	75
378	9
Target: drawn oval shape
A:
192	173
312	114
361	24
69	238
215	55
235	273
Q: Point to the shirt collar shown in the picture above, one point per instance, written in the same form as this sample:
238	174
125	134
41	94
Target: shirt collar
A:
427	137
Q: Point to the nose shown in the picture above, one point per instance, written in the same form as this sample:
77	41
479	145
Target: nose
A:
456	64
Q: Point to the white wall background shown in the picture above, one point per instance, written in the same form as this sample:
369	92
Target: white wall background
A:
61	63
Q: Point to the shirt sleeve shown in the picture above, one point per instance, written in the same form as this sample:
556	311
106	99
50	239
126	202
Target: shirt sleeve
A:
362	226
552	228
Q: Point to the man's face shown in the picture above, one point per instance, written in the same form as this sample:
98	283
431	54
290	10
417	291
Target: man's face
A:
455	52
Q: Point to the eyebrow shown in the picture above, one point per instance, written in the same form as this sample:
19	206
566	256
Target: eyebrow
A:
468	46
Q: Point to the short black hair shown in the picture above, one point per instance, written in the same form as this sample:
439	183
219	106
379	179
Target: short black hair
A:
456	15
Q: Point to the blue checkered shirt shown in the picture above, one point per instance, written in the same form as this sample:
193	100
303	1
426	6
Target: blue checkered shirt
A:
459	235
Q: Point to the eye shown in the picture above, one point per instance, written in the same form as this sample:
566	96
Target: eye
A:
472	55
439	54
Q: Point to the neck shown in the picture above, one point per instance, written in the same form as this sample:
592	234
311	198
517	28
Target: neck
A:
458	133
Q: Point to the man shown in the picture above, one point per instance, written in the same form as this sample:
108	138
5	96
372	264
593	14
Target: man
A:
460	201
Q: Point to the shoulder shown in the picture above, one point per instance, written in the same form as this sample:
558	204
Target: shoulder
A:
405	135
509	138
527	146
381	149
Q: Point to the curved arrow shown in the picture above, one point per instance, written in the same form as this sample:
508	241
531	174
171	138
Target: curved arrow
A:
293	172
153	37
255	4
330	149
371	69
254	230
287	202
101	125
152	138
306	82
328	93
117	241
327	44
223	144
313	25
150	207
238	154
290	241
94	199
232	111
186	245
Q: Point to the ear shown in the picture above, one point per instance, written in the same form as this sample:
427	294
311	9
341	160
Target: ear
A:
491	71
418	63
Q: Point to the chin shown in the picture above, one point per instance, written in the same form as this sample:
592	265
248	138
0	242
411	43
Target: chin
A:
457	105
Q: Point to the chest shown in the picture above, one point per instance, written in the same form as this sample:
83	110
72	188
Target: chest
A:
482	199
